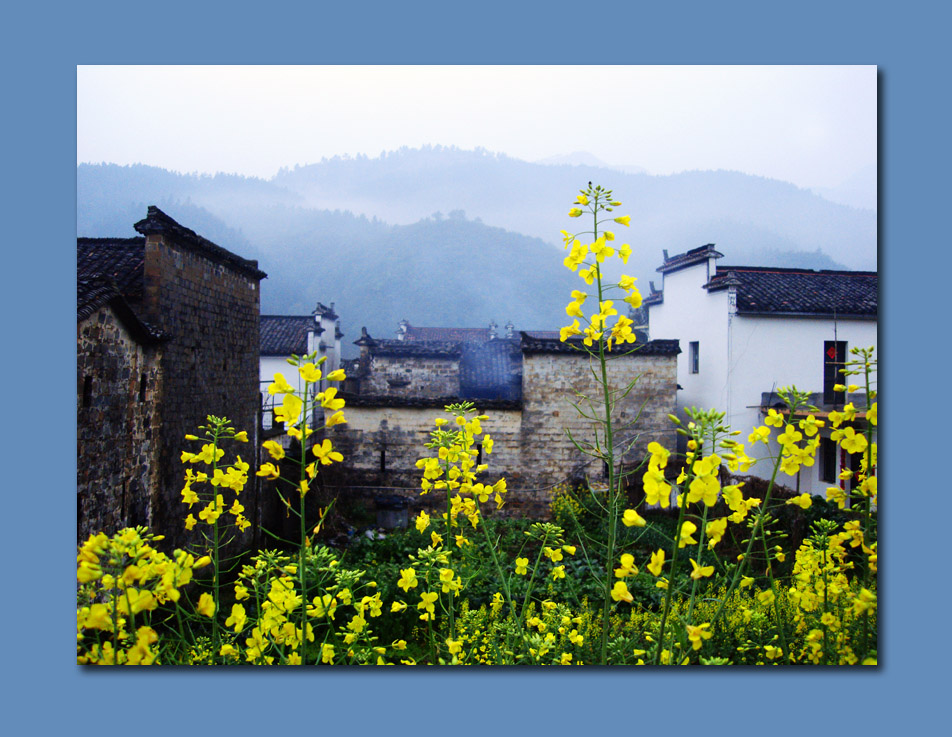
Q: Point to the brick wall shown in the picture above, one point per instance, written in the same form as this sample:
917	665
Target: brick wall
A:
210	365
117	426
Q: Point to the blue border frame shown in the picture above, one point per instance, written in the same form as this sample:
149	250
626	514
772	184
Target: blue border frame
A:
49	691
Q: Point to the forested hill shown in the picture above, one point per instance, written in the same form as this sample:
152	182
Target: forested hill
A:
459	238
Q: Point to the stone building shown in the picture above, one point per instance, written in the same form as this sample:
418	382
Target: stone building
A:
117	372
167	333
526	383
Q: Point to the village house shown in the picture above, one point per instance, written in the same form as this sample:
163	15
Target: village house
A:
167	333
747	331
282	336
526	382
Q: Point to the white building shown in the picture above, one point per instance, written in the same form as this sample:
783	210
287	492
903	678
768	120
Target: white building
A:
284	335
746	331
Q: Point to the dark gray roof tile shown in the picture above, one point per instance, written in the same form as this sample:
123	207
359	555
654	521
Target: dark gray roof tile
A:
282	335
120	259
776	291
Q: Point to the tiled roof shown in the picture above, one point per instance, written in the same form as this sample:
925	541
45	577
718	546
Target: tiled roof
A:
573	345
122	260
543	334
429	348
282	335
415	334
689	258
654	297
775	291
158	222
491	370
365	400
98	291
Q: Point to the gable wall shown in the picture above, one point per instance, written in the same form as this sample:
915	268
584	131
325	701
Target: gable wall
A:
425	376
210	365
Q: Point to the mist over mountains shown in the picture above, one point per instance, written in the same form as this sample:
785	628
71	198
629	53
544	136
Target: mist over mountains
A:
443	236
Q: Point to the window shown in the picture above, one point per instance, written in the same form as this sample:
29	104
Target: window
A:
143	385
383	460
827	460
87	391
694	356
834	358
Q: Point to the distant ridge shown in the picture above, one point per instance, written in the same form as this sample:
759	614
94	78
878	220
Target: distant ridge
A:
458	238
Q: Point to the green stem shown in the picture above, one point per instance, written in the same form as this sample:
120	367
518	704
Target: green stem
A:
671	575
750	544
535	568
700	550
609	457
776	597
448	533
216	635
302	546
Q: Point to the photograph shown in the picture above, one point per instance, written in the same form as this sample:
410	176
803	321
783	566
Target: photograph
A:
477	365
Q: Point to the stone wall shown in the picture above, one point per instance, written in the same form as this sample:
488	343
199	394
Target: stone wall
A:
381	446
531	447
553	382
419	377
117	425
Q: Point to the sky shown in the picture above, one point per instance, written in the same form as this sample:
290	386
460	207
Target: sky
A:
814	126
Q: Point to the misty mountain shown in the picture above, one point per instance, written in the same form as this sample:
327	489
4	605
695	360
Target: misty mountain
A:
406	185
583	158
859	190
441	236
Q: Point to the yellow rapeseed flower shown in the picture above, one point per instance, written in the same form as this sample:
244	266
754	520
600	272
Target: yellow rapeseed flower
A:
657	563
206	605
620	592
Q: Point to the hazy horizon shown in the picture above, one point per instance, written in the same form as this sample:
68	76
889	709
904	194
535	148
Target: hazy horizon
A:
813	126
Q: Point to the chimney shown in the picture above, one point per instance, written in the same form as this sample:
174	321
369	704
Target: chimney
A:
492	330
402	329
510	328
365	342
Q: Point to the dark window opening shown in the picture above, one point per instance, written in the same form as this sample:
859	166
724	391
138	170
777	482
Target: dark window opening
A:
834	359
605	469
828	460
87	391
383	460
142	387
479	454
695	356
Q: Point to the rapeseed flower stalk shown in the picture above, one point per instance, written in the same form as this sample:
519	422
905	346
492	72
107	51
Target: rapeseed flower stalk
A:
301	406
221	477
453	470
600	336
